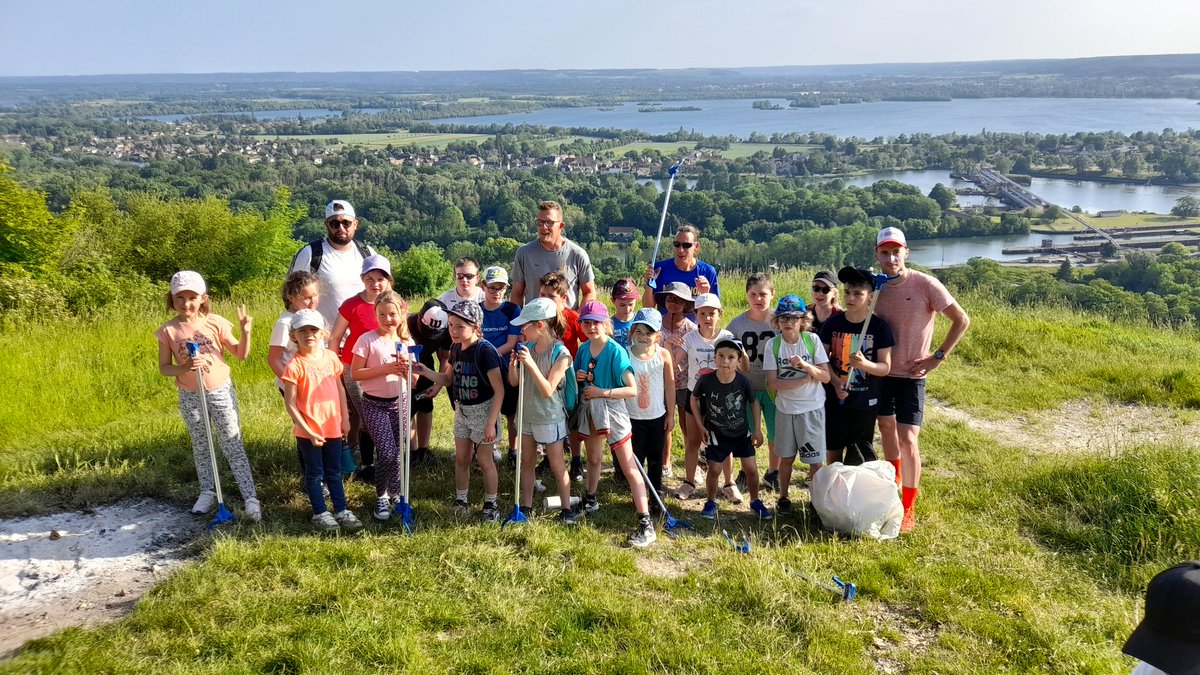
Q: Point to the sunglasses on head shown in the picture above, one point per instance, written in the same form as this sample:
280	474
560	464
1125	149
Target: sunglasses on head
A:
820	289
683	244
342	224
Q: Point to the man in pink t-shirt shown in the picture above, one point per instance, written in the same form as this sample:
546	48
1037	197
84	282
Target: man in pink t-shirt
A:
909	302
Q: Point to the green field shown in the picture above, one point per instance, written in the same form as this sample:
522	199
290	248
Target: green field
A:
1065	224
1024	559
398	139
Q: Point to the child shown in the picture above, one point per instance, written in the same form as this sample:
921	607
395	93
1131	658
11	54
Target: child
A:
796	367
625	298
301	290
546	363
606	380
850	412
700	346
499	330
652	413
429	331
357	316
753	329
379	366
676	297
553	285
466	283
719	403
316	400
195	322
825	299
476	389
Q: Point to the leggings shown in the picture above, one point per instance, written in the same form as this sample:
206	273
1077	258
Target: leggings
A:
381	419
223	413
649	439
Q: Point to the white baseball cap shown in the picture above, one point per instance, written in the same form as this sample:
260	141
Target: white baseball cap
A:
188	280
306	318
538	309
890	235
495	275
708	300
339	207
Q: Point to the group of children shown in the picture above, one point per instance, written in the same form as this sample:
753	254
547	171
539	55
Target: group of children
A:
588	380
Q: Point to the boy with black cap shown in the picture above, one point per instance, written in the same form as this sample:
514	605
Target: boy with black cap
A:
1167	641
429	330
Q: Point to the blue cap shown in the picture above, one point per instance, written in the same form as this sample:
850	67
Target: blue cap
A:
650	318
790	305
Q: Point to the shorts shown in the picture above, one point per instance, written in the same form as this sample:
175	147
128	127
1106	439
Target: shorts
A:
715	453
546	434
509	407
470	421
605	415
849	428
420	405
903	397
767	402
683	399
801	435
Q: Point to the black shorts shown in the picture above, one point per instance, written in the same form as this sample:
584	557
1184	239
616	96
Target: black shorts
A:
683	399
903	397
850	429
509	407
421	405
742	448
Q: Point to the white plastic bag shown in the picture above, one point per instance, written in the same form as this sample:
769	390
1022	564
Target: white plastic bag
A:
858	499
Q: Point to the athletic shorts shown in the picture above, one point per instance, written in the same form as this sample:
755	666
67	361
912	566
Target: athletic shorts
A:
470	421
801	435
767	402
546	434
903	397
420	405
607	416
742	448
683	399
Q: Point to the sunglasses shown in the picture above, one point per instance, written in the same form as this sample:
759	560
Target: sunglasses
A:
820	289
683	244
464	276
339	224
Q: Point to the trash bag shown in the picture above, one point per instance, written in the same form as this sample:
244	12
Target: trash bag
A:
858	499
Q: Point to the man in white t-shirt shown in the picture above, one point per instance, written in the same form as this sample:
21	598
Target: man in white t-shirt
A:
336	259
466	283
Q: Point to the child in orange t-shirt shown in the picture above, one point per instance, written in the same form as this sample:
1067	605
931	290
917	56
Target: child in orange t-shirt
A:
316	400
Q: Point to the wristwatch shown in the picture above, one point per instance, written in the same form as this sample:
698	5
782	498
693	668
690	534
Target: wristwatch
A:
939	355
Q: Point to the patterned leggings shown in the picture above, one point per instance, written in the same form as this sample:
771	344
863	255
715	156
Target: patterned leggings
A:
223	413
381	419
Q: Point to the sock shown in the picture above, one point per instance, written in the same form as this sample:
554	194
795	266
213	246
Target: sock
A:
908	495
896	463
460	495
590	496
643	518
489	499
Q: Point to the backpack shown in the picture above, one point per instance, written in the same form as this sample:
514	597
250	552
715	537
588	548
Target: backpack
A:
570	385
318	251
809	345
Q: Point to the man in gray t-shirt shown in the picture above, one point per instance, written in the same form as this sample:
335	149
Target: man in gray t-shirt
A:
552	252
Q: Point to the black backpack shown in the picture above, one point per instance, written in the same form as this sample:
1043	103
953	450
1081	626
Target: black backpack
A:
318	251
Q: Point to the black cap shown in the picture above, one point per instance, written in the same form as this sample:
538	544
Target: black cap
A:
729	343
1168	637
856	275
827	277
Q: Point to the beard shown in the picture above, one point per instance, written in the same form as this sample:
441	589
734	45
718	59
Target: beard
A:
339	236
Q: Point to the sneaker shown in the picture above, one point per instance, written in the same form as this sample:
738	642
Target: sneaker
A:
512	456
759	509
591	503
365	474
909	521
491	514
710	510
348	520
577	469
538	485
253	510
205	502
732	493
567	517
383	509
461	507
644	535
668	472
685	491
783	506
325	522
771	479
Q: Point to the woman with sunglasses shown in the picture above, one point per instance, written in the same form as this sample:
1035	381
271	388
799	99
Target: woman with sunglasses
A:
825	298
697	275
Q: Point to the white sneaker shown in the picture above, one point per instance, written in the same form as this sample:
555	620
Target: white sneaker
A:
348	520
205	502
325	522
538	485
668	472
253	510
383	508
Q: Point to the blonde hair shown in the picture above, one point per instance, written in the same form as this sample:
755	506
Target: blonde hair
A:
394	298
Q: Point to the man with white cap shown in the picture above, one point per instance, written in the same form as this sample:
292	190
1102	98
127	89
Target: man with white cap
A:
909	302
337	259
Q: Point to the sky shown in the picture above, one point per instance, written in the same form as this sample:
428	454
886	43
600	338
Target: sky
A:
91	37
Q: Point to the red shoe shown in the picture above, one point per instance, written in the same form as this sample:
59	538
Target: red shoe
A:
909	521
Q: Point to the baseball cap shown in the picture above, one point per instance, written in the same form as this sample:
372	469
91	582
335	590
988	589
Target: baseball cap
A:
306	318
433	317
469	311
339	207
538	309
649	318
1168	637
495	275
708	300
790	305
856	274
377	262
890	235
677	289
188	280
826	277
730	343
625	289
593	310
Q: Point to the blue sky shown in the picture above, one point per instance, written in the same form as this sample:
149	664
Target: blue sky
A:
83	37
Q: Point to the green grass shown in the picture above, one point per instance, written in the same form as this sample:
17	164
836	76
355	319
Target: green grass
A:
398	139
1022	562
1065	224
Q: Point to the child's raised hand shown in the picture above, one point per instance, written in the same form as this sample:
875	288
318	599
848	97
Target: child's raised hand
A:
650	273
244	318
858	361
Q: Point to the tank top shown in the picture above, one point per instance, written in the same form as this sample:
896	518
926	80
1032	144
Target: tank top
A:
648	375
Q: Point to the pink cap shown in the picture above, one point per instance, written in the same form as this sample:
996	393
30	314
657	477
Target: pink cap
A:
593	310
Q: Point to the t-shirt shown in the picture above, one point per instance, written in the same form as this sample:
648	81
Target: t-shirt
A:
754	336
316	377
539	409
621	331
810	395
451	297
701	354
213	334
572	331
678	355
909	307
360	314
817	322
725	407
340	273
376	351
469	383
430	347
498	327
532	261
649	404
842	337
668	272
281	336
607	368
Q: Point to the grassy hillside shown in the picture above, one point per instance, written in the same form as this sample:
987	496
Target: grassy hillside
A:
1022	560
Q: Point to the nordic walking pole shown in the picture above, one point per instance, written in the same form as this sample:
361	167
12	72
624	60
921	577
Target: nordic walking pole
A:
669	523
404	506
880	280
662	221
516	516
223	513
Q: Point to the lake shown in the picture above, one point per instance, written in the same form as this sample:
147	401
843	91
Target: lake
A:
306	113
958	250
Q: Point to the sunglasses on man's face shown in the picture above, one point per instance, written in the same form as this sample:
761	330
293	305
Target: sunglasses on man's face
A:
683	244
339	224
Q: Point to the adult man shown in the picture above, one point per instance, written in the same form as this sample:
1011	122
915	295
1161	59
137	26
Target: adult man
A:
909	302
552	252
685	266
336	259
